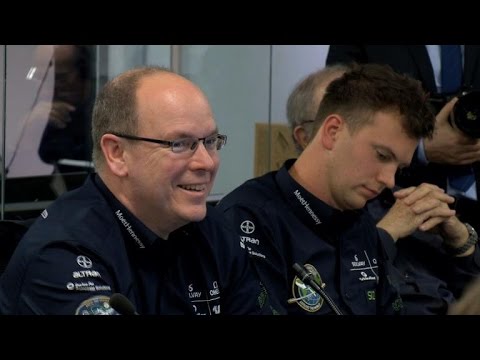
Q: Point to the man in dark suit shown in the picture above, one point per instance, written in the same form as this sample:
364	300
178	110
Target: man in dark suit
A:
413	60
438	158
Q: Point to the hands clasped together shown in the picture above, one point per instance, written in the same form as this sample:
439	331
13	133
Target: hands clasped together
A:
425	208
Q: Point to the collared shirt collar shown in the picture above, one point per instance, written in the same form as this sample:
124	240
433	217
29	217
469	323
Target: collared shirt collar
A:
311	210
141	236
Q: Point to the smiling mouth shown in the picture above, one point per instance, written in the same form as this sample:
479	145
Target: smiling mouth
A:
194	188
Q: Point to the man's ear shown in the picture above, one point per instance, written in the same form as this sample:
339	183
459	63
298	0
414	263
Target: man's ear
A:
300	136
330	130
114	152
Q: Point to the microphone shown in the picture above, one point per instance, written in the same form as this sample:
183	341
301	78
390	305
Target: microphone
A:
122	305
307	278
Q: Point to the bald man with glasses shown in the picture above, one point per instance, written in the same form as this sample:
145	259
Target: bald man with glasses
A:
140	226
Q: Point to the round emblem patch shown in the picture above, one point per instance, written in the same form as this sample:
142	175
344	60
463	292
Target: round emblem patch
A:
304	295
97	305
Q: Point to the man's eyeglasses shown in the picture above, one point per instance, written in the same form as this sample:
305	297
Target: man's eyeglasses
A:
213	142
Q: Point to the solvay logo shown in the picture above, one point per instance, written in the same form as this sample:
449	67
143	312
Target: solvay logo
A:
84	262
247	227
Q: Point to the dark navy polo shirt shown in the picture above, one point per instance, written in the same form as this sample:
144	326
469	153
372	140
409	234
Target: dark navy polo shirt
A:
281	223
87	245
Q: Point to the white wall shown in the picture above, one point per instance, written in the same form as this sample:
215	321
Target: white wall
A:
291	63
236	79
124	57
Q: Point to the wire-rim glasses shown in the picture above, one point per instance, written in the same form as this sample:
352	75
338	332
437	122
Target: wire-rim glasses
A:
212	143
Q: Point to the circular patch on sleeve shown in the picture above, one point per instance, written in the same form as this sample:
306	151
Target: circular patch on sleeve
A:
304	295
96	305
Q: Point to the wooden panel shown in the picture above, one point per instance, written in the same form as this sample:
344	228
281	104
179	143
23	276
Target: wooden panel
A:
271	152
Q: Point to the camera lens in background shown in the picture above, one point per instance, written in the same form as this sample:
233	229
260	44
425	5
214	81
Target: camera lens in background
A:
466	113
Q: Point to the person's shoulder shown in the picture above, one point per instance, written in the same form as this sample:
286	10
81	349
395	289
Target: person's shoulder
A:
75	212
80	216
253	192
214	222
216	235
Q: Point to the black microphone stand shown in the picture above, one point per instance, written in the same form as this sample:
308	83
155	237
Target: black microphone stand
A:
307	278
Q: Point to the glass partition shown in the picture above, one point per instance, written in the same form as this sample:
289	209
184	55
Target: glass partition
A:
236	79
47	105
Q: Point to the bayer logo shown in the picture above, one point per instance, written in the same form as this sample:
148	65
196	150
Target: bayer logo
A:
247	227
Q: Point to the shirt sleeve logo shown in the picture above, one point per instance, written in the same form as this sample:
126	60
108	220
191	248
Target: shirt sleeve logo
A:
304	295
84	262
247	227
